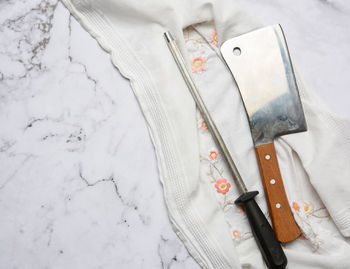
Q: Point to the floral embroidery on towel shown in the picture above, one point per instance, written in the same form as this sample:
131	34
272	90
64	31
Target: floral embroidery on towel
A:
197	64
214	38
216	176
203	125
236	234
307	213
222	186
201	41
295	206
309	210
213	155
200	44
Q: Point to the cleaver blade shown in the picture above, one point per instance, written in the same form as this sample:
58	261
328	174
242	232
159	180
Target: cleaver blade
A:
260	64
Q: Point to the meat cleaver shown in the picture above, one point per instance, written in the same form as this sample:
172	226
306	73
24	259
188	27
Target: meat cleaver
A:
261	66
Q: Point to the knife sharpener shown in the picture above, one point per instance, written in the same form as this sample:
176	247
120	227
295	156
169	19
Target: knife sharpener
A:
270	248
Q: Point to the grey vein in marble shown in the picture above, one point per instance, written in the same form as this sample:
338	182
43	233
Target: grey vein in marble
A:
79	186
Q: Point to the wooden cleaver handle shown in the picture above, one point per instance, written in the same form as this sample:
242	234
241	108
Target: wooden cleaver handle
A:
283	222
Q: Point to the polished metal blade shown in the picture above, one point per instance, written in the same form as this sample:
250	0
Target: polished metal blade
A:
261	66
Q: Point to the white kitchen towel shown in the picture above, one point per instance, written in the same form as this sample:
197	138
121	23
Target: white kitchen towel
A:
198	190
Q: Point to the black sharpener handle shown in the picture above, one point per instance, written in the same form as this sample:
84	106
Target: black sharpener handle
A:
265	237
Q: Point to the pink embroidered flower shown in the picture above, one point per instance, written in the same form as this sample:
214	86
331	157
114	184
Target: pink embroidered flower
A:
308	208
197	64
213	155
222	186
214	38
296	206
203	126
236	234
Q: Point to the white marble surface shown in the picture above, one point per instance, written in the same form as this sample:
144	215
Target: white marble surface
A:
79	186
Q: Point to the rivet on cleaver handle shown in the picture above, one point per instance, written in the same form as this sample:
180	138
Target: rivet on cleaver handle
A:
261	66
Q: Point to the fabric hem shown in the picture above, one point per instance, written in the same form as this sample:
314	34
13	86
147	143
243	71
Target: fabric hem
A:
342	219
156	119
